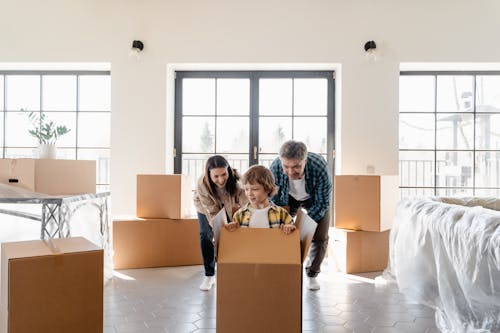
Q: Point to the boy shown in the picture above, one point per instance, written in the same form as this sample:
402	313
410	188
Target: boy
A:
260	212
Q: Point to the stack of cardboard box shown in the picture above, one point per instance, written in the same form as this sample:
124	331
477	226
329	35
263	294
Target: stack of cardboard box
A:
363	213
163	233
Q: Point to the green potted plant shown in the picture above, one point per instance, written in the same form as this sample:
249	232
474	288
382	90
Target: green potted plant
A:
47	133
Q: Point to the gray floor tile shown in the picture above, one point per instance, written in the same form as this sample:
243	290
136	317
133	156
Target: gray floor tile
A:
335	329
167	300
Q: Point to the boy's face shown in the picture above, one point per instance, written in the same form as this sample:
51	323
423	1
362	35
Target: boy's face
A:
256	194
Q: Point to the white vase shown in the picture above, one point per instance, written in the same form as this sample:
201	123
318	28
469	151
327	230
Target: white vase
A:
47	151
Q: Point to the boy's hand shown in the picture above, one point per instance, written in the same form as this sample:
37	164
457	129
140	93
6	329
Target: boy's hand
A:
232	226
287	228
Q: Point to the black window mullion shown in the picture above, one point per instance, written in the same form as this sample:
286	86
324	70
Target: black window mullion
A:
77	114
254	120
216	83
474	119
178	127
293	108
330	137
40	100
435	134
4	112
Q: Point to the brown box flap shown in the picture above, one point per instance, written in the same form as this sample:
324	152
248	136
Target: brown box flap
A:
264	246
35	248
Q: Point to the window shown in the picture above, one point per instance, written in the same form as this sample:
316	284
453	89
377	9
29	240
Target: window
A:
246	116
78	100
449	133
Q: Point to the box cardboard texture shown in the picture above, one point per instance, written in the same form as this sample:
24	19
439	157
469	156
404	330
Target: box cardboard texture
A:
65	177
164	196
360	251
141	243
52	286
20	171
259	281
259	278
365	203
50	176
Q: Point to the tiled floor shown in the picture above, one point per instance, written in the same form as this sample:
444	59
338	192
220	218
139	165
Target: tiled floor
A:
168	300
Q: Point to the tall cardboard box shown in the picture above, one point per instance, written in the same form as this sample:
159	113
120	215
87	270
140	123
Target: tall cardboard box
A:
18	172
365	203
360	251
54	287
164	196
259	281
141	243
65	177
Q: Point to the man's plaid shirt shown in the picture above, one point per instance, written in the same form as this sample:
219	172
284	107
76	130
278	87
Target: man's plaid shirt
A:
318	184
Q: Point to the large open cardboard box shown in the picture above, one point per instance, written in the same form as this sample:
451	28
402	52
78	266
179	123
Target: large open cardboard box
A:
359	251
259	280
365	203
141	243
52	286
164	196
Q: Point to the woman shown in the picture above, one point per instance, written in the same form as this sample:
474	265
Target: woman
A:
218	188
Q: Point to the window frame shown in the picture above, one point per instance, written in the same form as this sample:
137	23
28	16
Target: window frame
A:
43	73
254	77
435	113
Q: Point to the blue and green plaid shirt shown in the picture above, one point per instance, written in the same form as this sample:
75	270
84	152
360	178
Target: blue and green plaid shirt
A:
318	184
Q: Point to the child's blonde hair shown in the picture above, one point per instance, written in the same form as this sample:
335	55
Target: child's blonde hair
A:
261	175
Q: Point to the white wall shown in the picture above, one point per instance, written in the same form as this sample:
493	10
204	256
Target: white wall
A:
257	31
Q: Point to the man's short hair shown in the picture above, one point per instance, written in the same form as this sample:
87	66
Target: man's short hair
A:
293	150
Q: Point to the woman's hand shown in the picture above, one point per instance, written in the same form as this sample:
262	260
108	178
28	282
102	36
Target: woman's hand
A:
287	228
232	226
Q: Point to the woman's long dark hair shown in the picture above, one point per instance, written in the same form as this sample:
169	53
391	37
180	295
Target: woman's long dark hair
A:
218	161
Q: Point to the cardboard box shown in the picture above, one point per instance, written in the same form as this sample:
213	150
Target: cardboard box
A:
259	279
52	286
49	176
18	172
143	243
65	177
365	203
164	196
360	251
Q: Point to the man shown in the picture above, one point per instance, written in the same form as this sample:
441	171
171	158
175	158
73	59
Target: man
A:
304	181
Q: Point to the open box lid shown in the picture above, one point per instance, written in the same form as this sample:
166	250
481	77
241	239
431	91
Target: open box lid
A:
255	245
307	227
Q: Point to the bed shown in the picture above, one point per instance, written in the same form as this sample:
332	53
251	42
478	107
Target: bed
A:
445	253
